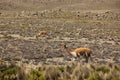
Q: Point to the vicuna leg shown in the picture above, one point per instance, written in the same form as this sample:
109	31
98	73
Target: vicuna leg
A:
78	58
75	58
86	57
91	59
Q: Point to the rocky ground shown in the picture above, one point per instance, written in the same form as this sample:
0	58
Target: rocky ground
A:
96	29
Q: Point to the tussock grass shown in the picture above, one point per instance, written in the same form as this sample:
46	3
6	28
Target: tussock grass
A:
62	72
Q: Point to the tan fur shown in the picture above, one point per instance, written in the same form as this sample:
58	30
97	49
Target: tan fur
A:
82	50
41	33
86	52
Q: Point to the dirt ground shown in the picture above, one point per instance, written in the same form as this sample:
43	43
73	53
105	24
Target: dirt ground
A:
86	23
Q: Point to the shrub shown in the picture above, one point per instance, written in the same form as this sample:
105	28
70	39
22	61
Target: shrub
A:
80	72
94	76
67	72
36	75
104	69
8	73
52	73
61	68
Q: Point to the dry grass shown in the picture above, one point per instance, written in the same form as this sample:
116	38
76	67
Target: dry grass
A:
78	23
68	72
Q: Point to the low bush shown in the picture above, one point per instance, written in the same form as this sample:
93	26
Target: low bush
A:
67	72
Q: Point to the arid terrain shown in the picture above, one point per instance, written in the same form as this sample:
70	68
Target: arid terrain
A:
94	24
76	23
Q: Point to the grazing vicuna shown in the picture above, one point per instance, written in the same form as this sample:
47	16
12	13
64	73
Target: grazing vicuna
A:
41	33
85	52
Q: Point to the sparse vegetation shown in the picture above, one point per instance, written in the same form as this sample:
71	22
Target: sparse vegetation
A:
50	72
36	75
8	72
78	23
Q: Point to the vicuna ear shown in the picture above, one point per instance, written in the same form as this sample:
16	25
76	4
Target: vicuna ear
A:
65	46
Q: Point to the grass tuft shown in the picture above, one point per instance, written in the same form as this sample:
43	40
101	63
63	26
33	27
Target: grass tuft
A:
67	72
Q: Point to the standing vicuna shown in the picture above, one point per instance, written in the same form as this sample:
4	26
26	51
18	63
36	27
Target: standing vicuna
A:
85	52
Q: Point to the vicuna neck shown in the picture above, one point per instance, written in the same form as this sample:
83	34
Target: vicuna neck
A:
67	50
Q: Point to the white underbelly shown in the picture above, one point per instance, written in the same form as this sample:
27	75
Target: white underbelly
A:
74	54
